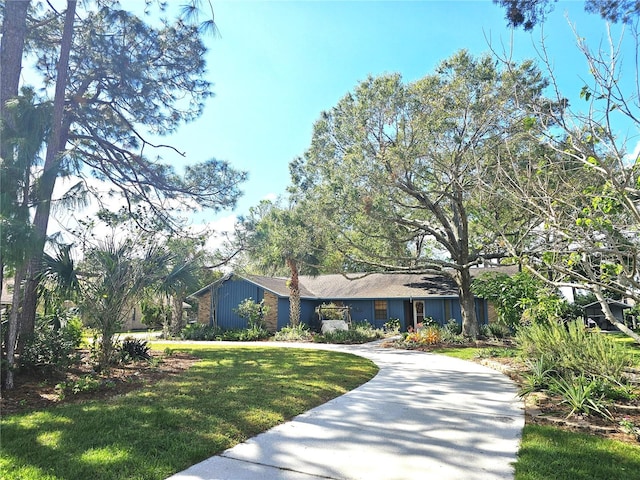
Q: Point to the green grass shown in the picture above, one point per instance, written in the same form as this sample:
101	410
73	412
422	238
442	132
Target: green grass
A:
550	453
232	394
464	353
629	343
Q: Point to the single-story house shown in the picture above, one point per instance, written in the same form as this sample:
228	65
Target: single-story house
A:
375	298
593	312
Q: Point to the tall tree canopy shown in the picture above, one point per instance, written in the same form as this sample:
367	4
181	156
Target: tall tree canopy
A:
283	240
401	163
585	188
115	83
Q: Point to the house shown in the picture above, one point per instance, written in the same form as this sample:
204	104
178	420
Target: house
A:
374	298
593	312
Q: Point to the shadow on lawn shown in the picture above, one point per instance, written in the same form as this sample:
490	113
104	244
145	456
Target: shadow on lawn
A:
230	395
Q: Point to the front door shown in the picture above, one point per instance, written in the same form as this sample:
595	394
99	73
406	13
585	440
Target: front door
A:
418	313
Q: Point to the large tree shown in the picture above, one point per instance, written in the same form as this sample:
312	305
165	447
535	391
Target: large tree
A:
585	189
280	240
403	161
117	82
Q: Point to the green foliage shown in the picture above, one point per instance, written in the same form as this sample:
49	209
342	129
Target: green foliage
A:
198	331
133	349
361	332
210	333
298	333
574	351
538	376
53	348
453	327
154	315
252	312
519	298
86	383
331	311
392	326
495	330
581	394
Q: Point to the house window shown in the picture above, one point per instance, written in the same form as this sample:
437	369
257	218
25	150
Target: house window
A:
380	309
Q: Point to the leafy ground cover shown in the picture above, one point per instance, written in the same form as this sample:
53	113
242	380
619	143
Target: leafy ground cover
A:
175	418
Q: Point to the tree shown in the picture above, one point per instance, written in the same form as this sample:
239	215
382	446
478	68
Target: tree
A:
182	277
120	270
519	298
280	238
585	191
403	162
117	81
529	13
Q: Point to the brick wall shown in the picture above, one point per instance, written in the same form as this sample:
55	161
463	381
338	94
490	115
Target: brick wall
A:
271	319
204	308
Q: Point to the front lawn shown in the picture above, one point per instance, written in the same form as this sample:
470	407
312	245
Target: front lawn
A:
551	453
232	394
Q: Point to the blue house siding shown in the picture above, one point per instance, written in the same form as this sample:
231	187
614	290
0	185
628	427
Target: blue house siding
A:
228	295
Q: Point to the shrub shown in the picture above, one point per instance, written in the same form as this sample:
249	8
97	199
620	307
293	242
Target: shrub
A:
358	333
208	333
331	311
574	351
453	327
52	348
581	394
496	330
299	333
134	349
198	331
392	326
253	312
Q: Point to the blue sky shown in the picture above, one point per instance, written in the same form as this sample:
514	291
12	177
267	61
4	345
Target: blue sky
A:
278	64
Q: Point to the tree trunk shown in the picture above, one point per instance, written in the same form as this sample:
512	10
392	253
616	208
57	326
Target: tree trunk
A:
294	295
176	313
14	29
467	304
50	171
14	327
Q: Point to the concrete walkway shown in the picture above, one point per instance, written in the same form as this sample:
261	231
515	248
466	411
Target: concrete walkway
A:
423	416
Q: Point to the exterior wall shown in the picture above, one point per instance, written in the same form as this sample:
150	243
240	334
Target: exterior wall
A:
204	308
271	318
227	296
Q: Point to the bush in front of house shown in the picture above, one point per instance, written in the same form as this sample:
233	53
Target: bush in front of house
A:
201	332
361	332
51	347
298	333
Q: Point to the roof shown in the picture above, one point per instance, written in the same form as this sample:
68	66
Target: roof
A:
615	303
359	286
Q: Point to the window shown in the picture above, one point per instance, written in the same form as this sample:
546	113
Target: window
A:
380	309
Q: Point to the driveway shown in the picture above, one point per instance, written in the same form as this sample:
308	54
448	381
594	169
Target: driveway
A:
423	416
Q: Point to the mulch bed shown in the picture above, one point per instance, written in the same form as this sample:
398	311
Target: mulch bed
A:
34	390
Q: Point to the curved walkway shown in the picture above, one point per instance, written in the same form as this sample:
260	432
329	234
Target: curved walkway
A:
423	416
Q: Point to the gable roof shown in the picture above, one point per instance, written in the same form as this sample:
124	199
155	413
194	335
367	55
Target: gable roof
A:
359	286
